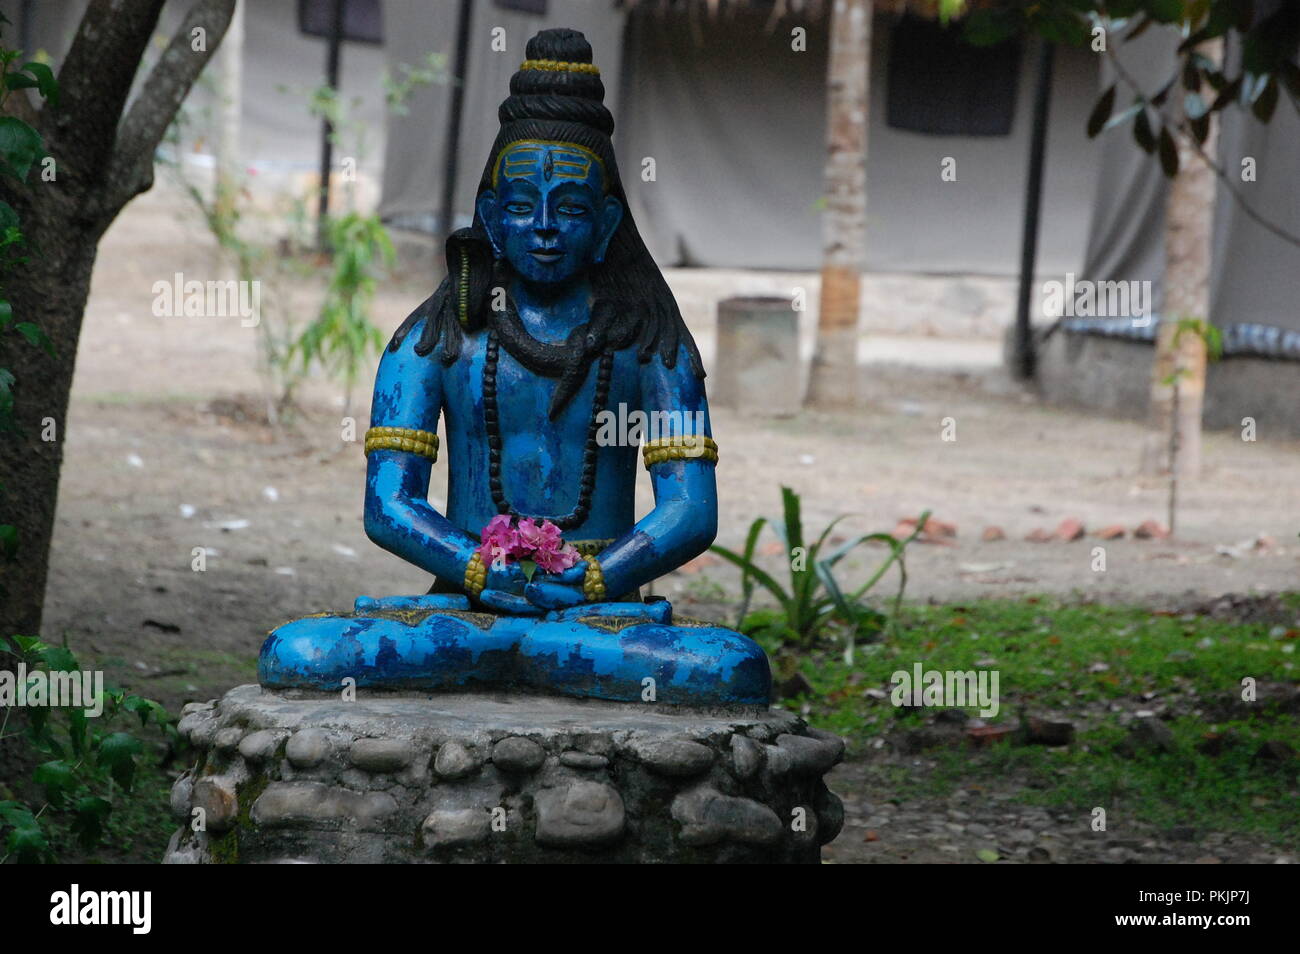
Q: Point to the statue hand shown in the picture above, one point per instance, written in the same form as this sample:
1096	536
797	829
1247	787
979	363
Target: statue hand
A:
506	578
573	576
509	603
548	595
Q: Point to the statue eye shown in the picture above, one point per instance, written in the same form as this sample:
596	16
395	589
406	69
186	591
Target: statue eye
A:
518	208
570	208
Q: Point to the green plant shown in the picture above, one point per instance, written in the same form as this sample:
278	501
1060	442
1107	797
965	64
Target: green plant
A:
83	770
814	598
342	334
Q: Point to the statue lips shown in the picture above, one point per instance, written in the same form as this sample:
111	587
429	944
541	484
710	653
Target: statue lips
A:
547	255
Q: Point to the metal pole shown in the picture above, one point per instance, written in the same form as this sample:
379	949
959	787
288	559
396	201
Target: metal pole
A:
451	156
327	128
1023	357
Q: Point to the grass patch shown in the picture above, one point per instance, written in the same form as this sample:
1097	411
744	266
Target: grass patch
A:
1094	666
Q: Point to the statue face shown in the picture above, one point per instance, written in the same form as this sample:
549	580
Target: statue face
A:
547	213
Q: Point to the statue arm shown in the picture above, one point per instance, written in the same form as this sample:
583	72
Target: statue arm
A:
684	520
398	516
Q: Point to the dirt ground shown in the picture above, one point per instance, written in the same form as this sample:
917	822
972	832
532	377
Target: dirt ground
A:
165	453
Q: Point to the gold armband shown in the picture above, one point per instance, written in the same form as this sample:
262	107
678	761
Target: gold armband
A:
689	447
475	575
593	582
423	443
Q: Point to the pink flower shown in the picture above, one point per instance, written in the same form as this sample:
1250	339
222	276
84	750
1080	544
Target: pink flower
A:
500	540
539	537
557	559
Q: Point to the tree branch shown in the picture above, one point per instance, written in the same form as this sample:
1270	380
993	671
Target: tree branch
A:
130	171
1182	128
94	83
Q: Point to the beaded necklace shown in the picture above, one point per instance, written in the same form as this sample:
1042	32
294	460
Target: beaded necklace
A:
491	421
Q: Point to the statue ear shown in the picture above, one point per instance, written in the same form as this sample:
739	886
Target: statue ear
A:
486	205
611	214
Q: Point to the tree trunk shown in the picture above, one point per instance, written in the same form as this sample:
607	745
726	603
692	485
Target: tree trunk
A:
833	379
1189	223
99	165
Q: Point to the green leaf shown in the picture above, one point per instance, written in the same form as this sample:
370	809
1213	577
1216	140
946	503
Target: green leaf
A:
147	707
746	581
764	579
35	336
987	855
8	540
57	777
117	753
1142	131
46	82
58	659
19	81
29	644
6	311
529	568
990	27
20	146
28	845
90	813
17	814
1101	112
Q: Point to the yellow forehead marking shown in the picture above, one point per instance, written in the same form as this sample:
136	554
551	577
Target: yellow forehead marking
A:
568	160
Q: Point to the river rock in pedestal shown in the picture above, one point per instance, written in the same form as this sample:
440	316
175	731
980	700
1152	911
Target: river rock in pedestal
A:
299	777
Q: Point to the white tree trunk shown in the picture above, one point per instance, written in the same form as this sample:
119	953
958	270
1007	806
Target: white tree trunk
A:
1189	222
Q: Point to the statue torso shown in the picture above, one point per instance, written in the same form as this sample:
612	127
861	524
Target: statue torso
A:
541	459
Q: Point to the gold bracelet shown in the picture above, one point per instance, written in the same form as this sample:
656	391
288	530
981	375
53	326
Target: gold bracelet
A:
590	548
560	66
423	443
593	582
689	447
475	575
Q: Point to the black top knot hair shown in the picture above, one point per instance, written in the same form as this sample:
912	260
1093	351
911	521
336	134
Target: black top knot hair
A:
557	96
552	84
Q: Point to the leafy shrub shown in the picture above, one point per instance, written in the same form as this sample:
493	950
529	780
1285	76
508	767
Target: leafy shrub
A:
814	598
87	764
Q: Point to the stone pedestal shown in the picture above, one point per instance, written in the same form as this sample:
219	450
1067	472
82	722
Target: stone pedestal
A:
300	777
756	368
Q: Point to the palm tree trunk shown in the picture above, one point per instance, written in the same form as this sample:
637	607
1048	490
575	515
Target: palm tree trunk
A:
833	379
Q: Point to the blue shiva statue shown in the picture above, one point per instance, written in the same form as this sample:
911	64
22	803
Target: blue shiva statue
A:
552	350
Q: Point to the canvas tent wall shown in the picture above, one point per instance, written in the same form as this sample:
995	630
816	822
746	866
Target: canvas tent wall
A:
734	120
1105	362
